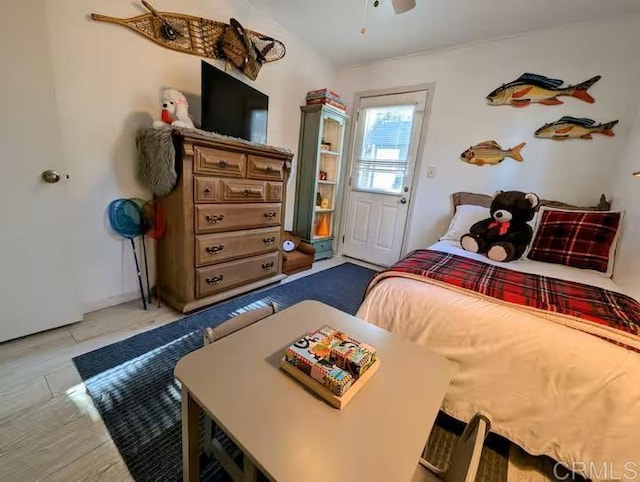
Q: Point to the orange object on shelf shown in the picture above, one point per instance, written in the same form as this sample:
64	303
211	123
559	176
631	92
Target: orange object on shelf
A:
322	228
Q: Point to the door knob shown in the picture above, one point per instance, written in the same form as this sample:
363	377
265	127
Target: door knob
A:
403	200
50	176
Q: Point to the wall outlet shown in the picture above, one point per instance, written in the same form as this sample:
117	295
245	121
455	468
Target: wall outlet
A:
431	171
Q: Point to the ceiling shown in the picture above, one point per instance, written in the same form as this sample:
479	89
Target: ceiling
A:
332	27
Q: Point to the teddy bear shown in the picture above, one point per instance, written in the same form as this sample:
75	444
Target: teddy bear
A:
506	234
175	110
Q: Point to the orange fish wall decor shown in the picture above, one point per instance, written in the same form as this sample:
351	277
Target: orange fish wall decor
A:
575	128
490	153
533	88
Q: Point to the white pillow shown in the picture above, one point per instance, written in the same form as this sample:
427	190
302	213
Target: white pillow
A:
534	226
466	216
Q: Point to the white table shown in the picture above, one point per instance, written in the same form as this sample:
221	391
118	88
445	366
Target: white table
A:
288	432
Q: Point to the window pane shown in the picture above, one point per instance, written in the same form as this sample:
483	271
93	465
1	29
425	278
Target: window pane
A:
382	163
387	132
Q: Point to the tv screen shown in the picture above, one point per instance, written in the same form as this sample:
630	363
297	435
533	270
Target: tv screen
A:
231	107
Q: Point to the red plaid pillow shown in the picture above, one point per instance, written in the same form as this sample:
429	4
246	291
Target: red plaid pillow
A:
580	239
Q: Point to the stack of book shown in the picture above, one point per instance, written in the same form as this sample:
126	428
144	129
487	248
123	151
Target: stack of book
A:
326	97
332	358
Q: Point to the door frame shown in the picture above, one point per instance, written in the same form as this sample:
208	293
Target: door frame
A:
350	147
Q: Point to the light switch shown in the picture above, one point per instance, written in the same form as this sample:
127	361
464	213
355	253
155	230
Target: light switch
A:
431	171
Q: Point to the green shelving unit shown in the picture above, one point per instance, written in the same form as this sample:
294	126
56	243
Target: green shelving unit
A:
320	152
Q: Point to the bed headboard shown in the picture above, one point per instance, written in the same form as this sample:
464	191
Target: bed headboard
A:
484	200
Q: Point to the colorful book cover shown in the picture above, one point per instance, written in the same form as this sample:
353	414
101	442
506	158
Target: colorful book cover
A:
325	100
333	104
318	97
323	92
332	358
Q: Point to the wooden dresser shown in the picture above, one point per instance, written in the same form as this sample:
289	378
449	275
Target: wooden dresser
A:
224	221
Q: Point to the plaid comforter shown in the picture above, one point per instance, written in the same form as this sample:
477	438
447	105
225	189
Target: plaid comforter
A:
606	314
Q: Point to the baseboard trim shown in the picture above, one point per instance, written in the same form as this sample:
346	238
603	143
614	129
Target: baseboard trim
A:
111	301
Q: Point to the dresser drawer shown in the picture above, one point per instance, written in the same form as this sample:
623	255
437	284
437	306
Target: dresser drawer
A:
265	168
212	189
218	162
205	189
215	248
212	218
325	245
274	191
221	277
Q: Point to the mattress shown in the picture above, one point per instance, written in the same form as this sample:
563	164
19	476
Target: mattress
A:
550	389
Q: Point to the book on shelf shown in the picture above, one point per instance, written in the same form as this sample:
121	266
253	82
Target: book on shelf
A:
337	105
318	97
332	358
323	93
325	98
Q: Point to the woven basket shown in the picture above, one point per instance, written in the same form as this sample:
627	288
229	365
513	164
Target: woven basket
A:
240	50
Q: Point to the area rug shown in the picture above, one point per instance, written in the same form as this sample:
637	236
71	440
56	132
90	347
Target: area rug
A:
132	386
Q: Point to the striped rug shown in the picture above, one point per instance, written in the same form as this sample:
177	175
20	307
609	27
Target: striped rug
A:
131	384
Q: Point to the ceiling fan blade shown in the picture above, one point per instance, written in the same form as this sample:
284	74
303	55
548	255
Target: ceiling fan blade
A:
401	6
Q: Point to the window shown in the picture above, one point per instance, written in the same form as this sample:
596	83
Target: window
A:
384	148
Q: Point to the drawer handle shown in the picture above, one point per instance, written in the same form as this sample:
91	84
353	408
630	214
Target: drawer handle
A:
246	191
267	168
215	219
267	266
207	191
214	249
215	280
222	163
270	240
270	214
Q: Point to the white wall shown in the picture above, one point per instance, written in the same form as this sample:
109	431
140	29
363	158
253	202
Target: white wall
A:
627	197
575	171
108	81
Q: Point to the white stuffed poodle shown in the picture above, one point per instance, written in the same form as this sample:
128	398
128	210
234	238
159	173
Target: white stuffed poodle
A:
175	110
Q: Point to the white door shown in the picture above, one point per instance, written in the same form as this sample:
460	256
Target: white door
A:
387	135
37	289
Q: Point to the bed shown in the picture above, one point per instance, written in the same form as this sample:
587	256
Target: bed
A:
550	386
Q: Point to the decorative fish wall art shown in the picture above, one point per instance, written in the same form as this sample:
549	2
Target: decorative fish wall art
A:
490	153
533	88
575	128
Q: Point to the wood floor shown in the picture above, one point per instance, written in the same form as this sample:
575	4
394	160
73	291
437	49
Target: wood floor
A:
49	427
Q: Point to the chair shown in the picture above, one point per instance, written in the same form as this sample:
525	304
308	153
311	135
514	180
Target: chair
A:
463	466
212	335
237	323
300	259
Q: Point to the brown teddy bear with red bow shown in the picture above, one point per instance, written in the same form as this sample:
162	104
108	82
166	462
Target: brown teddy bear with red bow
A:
506	234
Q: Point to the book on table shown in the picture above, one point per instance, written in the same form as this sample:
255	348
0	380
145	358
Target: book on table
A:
331	358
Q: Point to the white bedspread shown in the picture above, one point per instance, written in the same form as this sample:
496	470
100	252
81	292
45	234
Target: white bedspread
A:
550	389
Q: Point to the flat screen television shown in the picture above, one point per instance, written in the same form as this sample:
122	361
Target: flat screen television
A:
231	107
